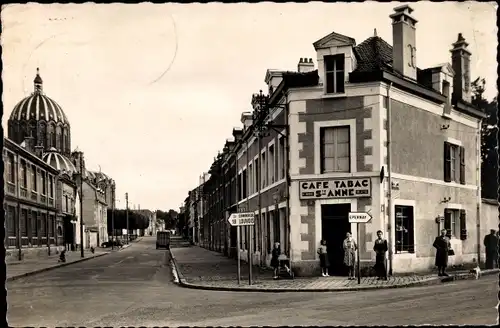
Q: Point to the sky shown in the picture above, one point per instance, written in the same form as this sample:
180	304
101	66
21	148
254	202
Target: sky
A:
153	91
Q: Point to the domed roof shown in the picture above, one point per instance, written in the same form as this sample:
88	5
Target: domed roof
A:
38	107
98	175
59	161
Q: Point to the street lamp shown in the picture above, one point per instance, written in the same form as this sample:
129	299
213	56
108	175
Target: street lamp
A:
113	215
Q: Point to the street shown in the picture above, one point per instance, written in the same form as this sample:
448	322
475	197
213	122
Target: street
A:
134	287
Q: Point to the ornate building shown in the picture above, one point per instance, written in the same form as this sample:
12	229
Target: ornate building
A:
39	132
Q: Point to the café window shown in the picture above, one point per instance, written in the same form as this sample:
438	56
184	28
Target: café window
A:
405	238
335	149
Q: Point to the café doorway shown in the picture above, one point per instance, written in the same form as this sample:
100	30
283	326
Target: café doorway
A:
334	226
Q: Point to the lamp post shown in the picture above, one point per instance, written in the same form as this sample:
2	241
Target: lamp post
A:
126	201
113	216
82	254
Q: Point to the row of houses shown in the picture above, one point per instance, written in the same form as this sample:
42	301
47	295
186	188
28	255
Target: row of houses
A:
360	129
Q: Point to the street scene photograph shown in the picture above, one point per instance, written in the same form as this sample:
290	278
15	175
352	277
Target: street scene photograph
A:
265	164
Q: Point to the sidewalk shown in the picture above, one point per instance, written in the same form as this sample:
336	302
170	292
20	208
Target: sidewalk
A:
199	268
22	269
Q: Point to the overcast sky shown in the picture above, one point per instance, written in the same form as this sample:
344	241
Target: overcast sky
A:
153	91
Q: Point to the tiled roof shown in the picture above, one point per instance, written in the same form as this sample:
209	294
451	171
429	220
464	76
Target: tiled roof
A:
373	54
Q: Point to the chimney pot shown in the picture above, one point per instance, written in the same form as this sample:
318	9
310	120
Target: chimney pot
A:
404	42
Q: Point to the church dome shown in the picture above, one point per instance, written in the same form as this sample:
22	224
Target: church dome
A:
42	118
59	161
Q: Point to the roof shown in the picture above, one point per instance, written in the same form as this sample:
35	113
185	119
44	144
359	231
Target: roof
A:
38	107
373	54
490	201
59	161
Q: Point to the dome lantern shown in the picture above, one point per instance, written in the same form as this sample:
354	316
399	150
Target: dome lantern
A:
38	82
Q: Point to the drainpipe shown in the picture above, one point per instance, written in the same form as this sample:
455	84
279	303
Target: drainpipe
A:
287	181
261	223
478	191
389	183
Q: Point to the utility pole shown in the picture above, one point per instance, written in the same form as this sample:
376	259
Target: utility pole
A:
126	200
82	254
113	216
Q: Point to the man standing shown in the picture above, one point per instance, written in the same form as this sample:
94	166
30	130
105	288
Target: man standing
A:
491	244
442	245
380	248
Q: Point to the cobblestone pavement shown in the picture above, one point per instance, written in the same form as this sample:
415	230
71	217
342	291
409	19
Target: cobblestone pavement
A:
203	268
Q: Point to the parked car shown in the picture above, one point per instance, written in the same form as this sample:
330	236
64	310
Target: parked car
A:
116	243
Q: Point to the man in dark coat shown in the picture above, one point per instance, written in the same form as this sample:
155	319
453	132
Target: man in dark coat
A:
443	246
491	245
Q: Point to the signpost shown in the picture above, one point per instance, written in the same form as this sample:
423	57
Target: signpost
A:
237	220
359	217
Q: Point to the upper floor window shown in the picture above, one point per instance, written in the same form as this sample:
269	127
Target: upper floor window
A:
454	163
335	149
51	186
405	238
263	171
11	174
23	174
44	183
33	178
271	165
281	159
334	73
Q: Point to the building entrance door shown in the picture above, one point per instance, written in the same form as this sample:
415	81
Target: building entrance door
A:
334	226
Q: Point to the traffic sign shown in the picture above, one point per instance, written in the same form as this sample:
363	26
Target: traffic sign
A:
242	219
359	217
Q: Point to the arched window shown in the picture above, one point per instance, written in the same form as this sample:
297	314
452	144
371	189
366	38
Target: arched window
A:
52	137
42	135
58	138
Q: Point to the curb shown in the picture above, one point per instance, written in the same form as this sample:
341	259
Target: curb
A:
426	282
27	274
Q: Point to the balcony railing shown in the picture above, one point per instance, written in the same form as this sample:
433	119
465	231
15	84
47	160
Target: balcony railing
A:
51	201
24	192
34	195
11	188
43	199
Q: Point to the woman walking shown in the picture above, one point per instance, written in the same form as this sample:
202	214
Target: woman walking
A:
323	258
380	248
350	248
443	246
276	252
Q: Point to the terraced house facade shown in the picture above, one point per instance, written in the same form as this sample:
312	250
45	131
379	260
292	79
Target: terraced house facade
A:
326	141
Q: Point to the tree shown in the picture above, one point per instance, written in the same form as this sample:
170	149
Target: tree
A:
136	220
489	129
169	218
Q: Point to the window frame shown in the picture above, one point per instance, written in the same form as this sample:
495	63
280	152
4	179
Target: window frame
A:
334	60
322	132
401	248
454	162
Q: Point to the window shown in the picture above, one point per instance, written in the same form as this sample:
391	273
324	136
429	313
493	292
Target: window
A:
51	186
24	222
240	196
281	159
335	149
277	227
244	184
334	71
33	178
405	239
257	175
11	173
451	220
44	183
454	163
11	222
23	174
263	172
270	169
250	179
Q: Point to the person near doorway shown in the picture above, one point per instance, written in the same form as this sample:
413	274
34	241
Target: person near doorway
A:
276	252
491	246
350	248
443	246
380	248
323	258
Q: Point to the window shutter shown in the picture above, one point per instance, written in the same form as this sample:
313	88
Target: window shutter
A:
463	225
447	162
462	165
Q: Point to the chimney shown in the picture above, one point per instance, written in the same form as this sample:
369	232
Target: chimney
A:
29	144
246	119
305	65
404	49
39	151
460	62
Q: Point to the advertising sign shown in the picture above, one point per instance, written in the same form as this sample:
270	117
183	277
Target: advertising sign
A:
335	188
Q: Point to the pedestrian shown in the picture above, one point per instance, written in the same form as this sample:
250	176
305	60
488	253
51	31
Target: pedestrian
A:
491	246
323	258
443	247
380	248
350	248
276	252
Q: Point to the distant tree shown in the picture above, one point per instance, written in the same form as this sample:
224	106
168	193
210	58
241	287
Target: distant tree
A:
136	220
169	218
489	147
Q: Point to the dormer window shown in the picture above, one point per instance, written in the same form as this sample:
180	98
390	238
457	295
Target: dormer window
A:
334	71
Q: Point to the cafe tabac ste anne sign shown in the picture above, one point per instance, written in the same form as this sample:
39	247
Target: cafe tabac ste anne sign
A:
335	188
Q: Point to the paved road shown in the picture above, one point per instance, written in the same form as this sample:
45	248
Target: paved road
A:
133	287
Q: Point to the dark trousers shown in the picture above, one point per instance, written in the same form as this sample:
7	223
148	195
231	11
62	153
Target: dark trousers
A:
491	261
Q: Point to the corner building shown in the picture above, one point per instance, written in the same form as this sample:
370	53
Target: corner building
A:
321	144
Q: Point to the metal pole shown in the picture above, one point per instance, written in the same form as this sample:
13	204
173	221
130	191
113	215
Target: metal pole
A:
389	180
238	252
82	254
288	247
357	251
249	229
126	200
478	192
258	178
113	216
18	214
